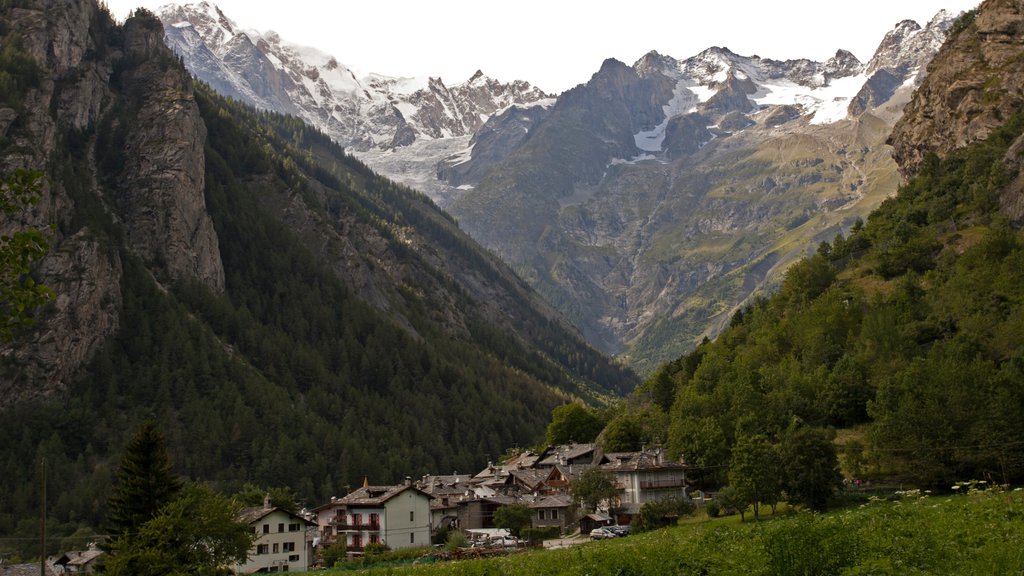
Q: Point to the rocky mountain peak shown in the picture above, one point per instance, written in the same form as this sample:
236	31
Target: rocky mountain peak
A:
843	64
376	111
909	45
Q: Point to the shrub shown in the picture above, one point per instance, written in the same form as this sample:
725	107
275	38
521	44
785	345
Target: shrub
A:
536	535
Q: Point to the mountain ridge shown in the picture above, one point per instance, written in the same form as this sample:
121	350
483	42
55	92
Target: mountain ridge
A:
653	122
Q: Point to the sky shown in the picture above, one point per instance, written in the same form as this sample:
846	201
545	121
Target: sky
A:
557	44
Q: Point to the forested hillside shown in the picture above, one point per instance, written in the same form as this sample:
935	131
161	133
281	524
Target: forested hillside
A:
344	326
912	326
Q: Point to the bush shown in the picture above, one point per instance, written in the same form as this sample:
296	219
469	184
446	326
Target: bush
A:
455	540
713	509
663	512
375	549
334	554
536	535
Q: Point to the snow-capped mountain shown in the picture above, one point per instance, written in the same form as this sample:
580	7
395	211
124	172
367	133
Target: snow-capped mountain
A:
364	113
653	200
646	204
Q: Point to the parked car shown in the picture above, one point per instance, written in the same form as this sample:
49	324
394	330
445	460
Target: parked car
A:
602	533
619	529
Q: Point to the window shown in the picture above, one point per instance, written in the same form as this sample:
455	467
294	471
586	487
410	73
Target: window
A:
554	514
374	539
266	528
357	542
541	515
357	519
288	547
262	549
375	519
280	527
293	558
294	527
276	548
412	515
412	537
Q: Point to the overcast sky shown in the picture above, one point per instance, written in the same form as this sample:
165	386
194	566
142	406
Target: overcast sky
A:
557	44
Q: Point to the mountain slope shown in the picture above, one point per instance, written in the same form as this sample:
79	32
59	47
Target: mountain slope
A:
286	315
650	202
907	331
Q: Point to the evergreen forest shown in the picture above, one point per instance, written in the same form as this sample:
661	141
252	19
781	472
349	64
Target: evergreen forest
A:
903	341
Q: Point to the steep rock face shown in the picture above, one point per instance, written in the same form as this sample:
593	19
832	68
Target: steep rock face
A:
502	133
131	93
86	280
161	196
974	84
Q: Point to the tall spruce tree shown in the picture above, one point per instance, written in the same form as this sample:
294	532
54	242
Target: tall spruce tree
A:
146	482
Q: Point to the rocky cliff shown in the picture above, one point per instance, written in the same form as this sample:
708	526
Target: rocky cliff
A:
974	84
84	80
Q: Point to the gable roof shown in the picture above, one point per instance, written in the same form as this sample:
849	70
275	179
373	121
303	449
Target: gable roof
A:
563	453
377	495
257	513
653	459
552	501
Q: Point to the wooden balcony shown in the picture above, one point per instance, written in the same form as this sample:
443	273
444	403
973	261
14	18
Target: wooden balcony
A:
662	483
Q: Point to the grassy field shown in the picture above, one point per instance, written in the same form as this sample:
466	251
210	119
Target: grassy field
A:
975	534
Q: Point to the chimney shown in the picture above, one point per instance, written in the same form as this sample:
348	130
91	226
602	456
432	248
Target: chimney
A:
408	480
266	501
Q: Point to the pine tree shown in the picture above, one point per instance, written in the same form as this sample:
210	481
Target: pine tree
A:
146	482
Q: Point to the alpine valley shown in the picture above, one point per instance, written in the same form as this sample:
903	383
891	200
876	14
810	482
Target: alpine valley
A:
235	276
648	204
228	262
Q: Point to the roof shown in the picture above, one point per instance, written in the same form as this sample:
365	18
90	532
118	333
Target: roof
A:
257	513
26	570
643	460
530	477
553	501
556	455
377	495
77	558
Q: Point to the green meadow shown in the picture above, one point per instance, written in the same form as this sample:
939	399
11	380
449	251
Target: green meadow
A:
981	533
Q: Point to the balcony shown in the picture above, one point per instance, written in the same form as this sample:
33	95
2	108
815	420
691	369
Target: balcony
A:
342	525
662	483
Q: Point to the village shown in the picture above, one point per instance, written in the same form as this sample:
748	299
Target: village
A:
412	513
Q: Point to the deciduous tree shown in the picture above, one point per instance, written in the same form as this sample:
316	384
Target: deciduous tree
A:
20	294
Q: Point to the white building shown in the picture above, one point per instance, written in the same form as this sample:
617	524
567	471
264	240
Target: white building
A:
397	516
281	543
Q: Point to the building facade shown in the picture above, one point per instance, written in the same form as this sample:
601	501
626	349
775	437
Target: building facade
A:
281	541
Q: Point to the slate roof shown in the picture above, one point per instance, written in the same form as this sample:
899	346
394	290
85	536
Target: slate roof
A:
556	455
635	461
376	495
257	513
553	501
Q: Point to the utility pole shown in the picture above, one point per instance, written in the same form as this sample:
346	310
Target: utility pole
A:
42	531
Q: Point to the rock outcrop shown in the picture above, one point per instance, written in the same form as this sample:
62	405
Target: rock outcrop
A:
974	84
94	82
161	188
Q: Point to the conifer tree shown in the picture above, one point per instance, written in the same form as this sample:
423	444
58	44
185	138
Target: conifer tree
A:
146	482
